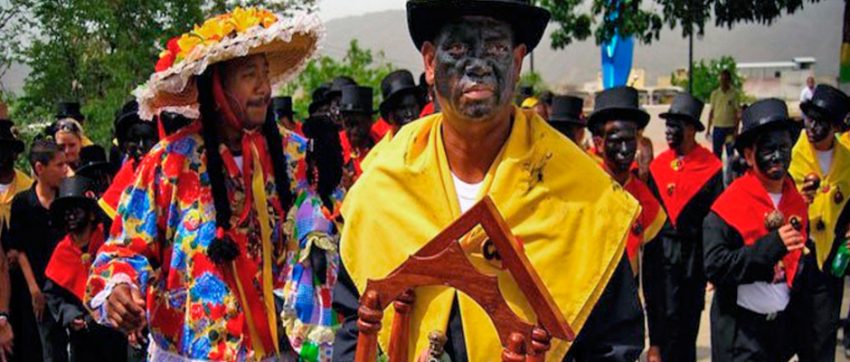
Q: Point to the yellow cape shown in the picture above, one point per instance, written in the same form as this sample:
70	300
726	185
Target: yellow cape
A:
824	207
21	183
572	218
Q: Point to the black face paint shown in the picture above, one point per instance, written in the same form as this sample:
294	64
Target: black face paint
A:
620	145
334	112
76	218
817	128
675	133
773	154
406	110
475	70
358	126
140	139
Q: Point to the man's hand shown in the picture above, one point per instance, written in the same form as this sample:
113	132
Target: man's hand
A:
125	309
653	354
38	303
792	238
810	189
708	134
7	337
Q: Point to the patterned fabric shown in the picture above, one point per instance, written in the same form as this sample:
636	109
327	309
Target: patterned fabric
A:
307	314
165	222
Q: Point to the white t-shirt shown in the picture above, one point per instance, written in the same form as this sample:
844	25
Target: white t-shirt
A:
764	297
467	194
4	188
806	94
824	160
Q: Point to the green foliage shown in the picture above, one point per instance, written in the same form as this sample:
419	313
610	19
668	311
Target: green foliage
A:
707	78
632	20
95	52
358	63
645	24
534	80
213	7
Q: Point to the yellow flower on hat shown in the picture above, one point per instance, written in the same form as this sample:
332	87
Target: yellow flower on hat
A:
244	19
187	43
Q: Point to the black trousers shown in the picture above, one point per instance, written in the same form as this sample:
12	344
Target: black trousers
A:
685	301
817	316
758	338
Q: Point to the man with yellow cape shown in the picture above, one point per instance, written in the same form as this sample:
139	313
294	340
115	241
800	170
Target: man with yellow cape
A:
572	218
820	166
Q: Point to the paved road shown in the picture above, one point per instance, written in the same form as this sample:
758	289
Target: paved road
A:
704	339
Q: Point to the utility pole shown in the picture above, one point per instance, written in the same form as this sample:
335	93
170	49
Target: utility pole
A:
690	46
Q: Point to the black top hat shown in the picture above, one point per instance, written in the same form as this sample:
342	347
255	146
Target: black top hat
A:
92	159
567	109
319	98
282	106
69	110
620	103
357	99
337	84
761	116
425	18
126	118
686	108
396	84
9	136
73	191
830	101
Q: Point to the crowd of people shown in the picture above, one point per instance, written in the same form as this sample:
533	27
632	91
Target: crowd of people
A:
222	225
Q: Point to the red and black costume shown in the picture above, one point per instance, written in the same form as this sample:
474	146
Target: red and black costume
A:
64	290
740	250
674	281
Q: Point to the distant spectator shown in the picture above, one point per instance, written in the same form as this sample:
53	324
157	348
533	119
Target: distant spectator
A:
723	116
808	90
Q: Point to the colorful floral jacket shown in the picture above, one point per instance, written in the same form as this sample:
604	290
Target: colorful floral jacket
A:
164	224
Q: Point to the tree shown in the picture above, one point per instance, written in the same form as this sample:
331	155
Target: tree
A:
97	52
706	75
12	20
623	17
358	63
213	7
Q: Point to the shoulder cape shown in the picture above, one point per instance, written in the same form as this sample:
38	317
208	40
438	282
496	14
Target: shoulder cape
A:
20	183
648	224
573	220
826	208
678	181
122	180
746	204
69	266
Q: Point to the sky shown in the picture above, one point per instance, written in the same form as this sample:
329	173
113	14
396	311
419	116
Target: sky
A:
334	9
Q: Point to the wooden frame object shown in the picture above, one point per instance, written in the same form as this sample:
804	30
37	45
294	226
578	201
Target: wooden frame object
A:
443	261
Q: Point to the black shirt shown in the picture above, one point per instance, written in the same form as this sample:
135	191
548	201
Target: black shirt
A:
32	232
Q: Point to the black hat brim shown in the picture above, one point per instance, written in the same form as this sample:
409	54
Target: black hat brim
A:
89	169
567	120
684	117
636	115
414	89
746	138
426	18
808	106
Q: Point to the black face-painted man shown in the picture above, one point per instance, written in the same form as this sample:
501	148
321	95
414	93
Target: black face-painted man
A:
435	168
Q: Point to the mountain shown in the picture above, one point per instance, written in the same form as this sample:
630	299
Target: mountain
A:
814	31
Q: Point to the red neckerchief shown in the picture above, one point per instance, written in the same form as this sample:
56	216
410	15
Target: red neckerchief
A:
350	156
69	266
746	204
679	181
427	110
379	130
649	211
245	267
